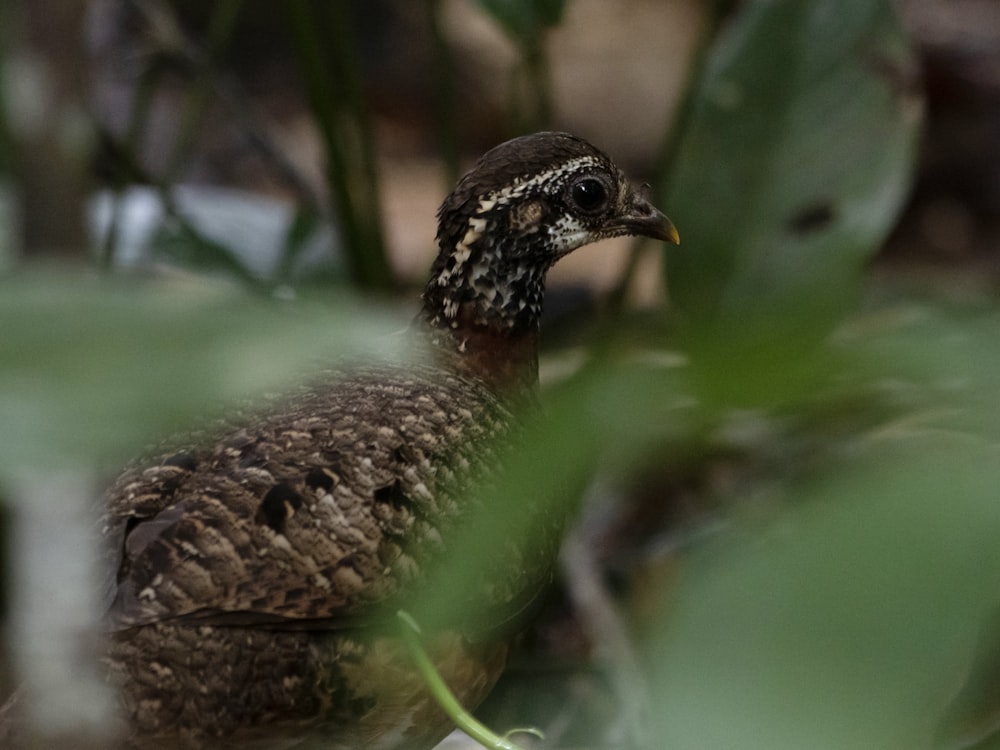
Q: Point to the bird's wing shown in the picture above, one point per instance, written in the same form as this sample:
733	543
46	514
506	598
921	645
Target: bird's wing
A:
310	515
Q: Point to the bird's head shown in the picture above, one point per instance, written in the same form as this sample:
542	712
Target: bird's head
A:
524	205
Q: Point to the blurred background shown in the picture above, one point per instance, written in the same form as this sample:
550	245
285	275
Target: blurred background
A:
779	440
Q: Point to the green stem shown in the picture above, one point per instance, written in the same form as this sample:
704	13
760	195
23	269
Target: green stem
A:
219	33
442	694
324	42
7	27
536	65
446	117
123	160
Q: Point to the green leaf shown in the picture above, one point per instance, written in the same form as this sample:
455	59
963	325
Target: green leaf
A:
850	623
793	169
92	370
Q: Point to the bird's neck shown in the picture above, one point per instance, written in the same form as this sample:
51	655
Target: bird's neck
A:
481	309
505	362
485	284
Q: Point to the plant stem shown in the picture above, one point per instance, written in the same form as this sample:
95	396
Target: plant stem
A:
442	694
219	33
324	40
444	94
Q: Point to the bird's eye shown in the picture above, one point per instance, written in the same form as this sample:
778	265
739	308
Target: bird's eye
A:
589	195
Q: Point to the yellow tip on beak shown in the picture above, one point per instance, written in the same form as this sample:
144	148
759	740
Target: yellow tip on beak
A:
671	232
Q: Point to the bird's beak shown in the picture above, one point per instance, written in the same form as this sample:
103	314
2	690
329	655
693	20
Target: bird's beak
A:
646	220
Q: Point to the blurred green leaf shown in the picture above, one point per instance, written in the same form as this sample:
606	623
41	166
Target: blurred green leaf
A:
935	366
92	369
845	613
611	416
850	623
971	722
793	168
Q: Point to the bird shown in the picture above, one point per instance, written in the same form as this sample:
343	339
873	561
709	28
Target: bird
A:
250	570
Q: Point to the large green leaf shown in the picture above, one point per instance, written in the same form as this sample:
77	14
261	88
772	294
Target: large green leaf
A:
791	172
842	609
851	622
92	369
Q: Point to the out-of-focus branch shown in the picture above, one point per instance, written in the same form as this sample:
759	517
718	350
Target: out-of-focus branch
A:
715	14
211	85
445	110
50	135
326	45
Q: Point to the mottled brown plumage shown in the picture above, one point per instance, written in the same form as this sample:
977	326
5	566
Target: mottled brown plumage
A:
254	573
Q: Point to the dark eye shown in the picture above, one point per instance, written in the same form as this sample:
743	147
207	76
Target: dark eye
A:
589	195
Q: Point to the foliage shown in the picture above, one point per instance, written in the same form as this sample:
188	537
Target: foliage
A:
835	600
790	173
92	367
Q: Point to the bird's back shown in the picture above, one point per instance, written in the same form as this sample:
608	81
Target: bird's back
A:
255	563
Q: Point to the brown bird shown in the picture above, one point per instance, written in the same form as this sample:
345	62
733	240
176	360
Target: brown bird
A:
253	571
